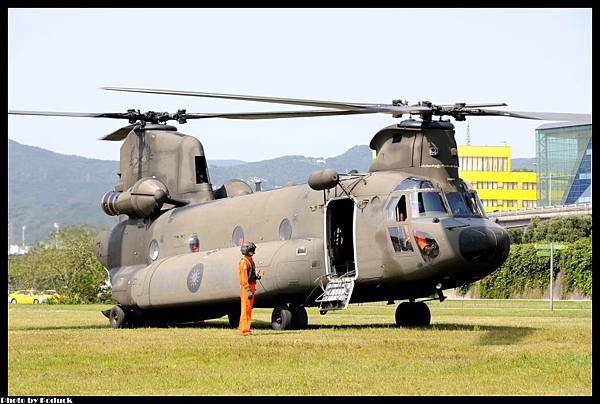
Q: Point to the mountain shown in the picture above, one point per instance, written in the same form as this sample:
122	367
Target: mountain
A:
47	187
519	163
224	163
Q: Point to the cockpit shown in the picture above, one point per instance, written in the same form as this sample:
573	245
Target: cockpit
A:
416	199
419	198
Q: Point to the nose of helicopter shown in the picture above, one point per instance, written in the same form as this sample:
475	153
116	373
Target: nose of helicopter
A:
484	244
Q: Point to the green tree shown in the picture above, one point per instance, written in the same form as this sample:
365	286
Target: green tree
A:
562	229
65	261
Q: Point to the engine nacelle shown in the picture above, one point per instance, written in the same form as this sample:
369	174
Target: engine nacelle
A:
144	199
323	179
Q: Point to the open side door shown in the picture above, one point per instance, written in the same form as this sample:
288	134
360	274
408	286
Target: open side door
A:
340	254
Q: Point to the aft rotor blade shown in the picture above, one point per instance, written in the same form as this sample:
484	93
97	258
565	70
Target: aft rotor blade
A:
546	116
385	108
276	115
72	114
119	134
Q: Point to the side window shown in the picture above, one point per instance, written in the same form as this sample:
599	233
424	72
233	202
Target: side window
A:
401	215
285	230
390	211
400	237
237	238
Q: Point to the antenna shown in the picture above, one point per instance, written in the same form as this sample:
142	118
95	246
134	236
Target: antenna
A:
468	135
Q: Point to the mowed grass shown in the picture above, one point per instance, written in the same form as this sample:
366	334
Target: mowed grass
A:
471	348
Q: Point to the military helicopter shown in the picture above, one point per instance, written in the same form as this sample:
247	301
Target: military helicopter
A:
407	229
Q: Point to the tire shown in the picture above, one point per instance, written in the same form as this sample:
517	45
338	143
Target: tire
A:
117	317
281	318
299	319
234	318
13	301
405	315
422	314
36	301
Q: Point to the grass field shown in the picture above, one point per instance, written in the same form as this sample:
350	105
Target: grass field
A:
471	348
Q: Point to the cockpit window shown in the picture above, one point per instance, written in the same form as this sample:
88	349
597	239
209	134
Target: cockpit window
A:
474	200
427	203
413	183
458	204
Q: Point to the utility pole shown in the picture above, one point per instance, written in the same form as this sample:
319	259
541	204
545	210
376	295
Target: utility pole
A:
550	189
468	135
23	235
551	276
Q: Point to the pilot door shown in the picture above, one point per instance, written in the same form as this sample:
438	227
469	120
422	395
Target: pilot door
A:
340	254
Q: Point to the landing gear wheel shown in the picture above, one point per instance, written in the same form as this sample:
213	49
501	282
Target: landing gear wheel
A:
234	318
404	314
422	314
281	318
299	319
413	315
117	317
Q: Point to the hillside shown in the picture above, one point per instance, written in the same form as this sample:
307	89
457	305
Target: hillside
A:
47	187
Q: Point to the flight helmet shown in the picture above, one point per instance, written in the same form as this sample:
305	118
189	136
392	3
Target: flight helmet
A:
247	247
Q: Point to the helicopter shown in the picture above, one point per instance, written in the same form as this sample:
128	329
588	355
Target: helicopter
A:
407	229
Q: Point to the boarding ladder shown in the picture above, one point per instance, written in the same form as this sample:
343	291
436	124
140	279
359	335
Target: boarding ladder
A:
336	294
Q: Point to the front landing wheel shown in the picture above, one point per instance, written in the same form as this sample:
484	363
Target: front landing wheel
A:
281	318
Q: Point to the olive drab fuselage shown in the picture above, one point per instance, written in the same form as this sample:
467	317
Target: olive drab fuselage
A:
153	268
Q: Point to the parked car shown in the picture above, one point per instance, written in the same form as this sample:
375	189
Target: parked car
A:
28	296
52	295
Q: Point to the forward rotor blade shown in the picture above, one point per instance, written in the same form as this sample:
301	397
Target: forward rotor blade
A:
276	115
119	134
545	116
72	114
386	108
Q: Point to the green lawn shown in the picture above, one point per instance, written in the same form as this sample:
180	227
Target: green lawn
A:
471	348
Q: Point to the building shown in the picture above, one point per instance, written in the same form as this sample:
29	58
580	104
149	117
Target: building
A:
487	169
564	163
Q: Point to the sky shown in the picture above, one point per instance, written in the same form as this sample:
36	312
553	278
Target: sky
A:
531	59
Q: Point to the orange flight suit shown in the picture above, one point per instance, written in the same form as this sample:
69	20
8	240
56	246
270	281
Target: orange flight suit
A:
246	266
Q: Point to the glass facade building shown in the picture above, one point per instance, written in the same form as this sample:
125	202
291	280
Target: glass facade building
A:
564	163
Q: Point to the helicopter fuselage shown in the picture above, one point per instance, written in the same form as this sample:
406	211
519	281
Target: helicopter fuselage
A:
396	242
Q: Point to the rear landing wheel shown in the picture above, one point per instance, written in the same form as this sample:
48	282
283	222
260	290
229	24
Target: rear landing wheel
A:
234	318
117	317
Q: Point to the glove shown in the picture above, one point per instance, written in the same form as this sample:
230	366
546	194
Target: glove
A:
250	294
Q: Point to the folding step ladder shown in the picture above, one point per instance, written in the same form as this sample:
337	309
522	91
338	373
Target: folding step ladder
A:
336	294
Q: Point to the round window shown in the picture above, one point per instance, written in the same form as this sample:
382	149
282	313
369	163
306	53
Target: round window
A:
237	239
194	243
153	250
285	230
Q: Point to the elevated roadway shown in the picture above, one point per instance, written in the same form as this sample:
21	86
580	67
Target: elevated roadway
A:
521	217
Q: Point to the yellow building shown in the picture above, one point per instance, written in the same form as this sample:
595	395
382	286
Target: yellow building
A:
487	170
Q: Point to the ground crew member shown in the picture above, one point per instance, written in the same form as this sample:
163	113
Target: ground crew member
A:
248	277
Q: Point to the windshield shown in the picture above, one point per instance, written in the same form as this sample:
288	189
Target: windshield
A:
458	205
427	203
474	200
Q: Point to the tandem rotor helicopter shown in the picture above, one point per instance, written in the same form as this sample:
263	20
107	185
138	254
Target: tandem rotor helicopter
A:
407	229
